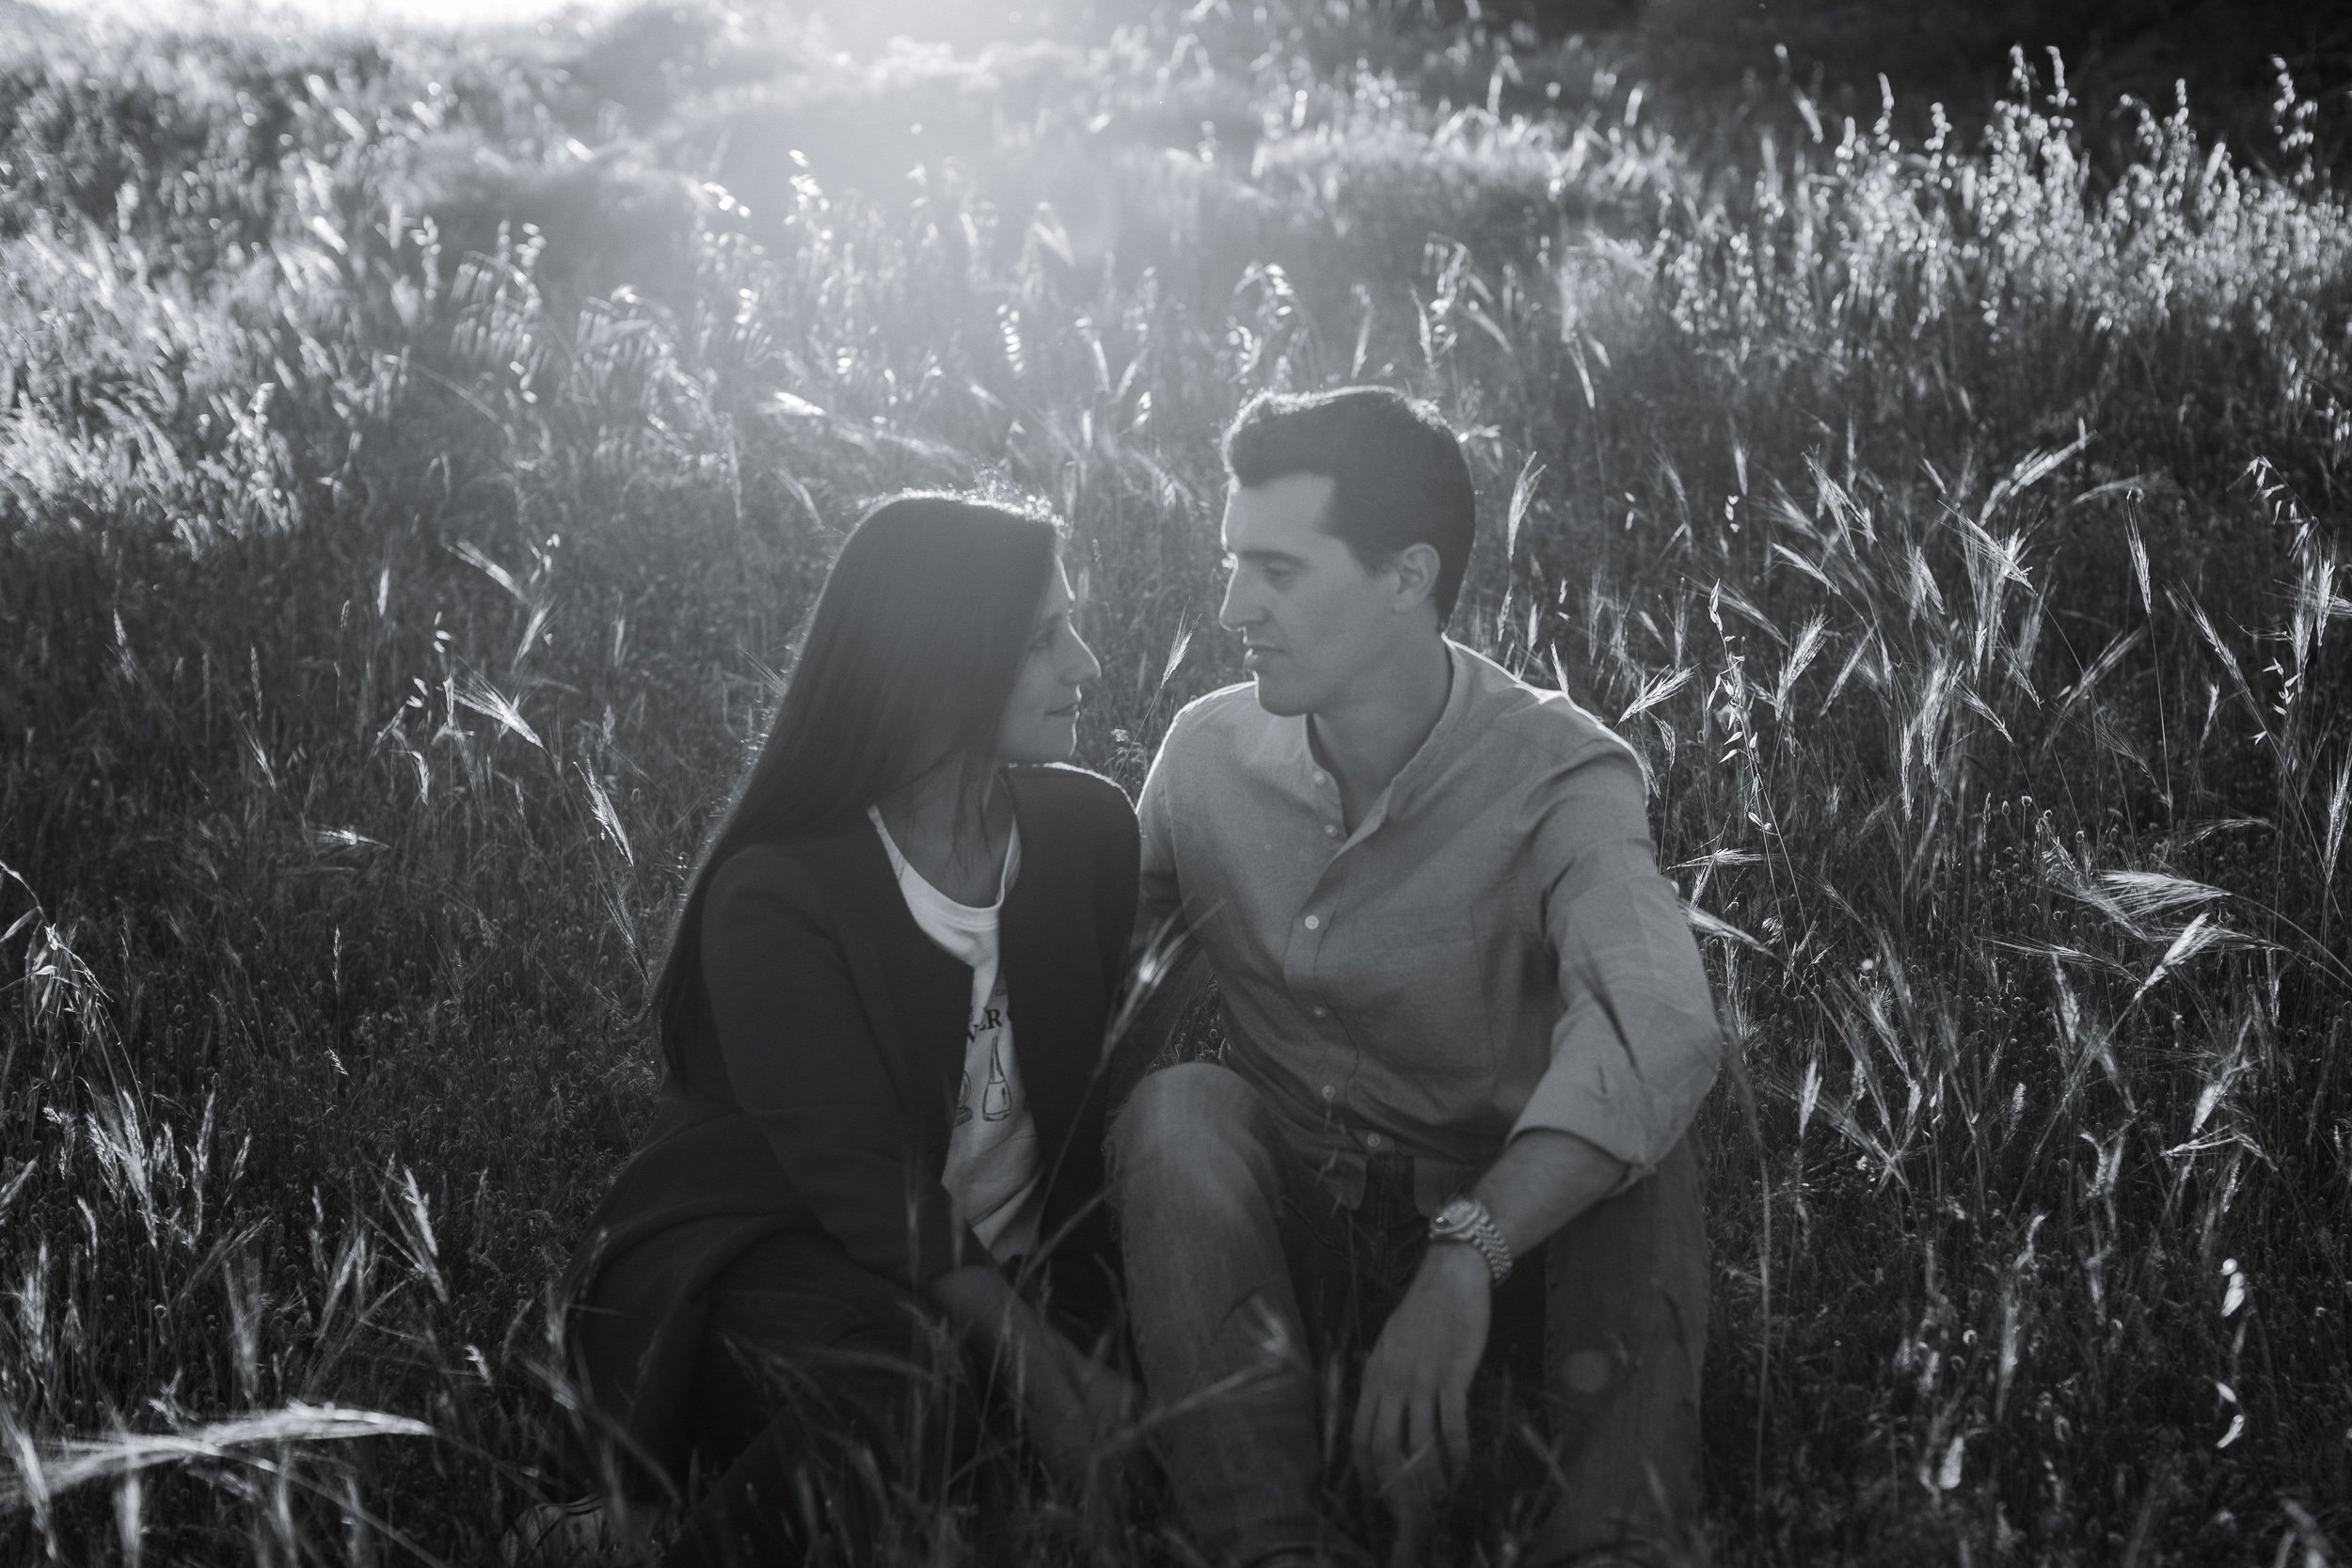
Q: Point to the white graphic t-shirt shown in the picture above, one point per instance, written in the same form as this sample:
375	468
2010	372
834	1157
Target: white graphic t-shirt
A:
992	1174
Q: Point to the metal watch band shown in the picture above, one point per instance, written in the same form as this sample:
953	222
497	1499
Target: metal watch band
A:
1477	1228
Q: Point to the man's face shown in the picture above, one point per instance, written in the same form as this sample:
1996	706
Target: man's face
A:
1312	618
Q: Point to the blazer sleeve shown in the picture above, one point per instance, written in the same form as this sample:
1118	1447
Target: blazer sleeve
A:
1117	878
802	1060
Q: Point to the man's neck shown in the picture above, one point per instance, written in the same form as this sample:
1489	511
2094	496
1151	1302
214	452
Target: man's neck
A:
1368	737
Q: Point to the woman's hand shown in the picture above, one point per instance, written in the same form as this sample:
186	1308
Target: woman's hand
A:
1073	1406
1077	1409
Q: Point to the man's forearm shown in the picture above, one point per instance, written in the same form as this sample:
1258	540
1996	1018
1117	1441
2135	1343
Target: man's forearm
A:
1544	1178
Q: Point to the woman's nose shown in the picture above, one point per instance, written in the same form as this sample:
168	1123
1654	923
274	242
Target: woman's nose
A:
1085	667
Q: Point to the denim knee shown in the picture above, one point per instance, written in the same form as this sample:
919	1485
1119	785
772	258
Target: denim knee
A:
1195	1128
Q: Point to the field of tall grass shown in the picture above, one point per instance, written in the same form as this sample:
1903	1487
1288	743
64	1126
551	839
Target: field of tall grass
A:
415	455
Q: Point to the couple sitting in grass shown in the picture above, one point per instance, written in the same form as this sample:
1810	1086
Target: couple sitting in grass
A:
1442	1151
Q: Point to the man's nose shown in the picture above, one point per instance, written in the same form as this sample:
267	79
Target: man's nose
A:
1085	667
1238	609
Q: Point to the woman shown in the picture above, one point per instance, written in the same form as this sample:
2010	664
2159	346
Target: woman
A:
881	1014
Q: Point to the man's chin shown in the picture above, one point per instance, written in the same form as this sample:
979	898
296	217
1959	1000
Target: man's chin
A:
1277	698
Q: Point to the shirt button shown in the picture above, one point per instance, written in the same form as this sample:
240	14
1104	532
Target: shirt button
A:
1372	1140
1329	1092
1321	777
1314	923
1323	1012
1330	830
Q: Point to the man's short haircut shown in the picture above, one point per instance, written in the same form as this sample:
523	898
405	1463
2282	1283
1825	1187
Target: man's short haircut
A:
1398	477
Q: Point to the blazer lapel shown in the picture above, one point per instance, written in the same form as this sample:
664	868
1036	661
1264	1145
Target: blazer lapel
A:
916	998
1051	981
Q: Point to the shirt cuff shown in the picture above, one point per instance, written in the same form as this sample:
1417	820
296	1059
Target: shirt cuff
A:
1593	1091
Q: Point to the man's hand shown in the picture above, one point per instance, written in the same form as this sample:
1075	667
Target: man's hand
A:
1413	1419
1412	1415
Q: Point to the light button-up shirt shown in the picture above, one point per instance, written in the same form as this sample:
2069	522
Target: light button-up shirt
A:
1492	950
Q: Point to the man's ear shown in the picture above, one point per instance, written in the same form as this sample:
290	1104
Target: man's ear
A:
1416	568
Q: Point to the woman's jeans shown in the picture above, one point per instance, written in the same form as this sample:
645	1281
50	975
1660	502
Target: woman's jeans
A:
1245	1277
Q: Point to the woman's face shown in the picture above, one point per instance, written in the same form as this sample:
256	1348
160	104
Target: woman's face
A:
1041	721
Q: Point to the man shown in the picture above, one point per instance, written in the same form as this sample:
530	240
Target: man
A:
1467	1024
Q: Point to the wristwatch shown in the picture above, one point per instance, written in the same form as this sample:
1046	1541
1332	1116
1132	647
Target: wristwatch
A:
1464	1219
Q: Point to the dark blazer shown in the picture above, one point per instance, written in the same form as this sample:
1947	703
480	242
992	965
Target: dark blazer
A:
821	1093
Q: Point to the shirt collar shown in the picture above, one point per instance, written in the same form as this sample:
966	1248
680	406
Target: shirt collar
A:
1295	756
1444	739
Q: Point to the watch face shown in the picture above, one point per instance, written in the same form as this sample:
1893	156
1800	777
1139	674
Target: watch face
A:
1456	1214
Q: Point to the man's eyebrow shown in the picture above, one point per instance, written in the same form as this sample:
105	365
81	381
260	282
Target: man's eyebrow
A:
1262	557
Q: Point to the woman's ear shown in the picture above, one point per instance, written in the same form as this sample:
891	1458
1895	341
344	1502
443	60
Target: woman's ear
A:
1416	569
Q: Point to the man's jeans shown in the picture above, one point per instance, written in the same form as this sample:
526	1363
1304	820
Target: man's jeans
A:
1243	1276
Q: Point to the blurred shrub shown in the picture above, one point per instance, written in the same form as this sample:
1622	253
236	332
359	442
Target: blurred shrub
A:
2221	49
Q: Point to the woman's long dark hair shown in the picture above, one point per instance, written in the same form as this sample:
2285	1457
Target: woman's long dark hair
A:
916	643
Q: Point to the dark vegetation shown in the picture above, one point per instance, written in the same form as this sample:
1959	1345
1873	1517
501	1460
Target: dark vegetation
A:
415	455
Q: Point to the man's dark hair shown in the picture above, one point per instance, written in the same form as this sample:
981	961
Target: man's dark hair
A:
1398	477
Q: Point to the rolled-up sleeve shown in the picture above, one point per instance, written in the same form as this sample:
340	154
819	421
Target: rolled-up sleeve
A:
1637	1042
802	1062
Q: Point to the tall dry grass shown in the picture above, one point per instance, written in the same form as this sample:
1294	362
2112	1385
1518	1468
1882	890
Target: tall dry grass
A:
413	463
